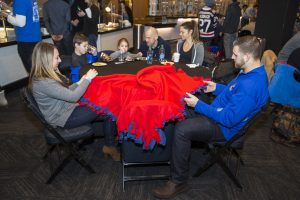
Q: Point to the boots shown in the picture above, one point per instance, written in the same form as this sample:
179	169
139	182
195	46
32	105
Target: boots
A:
169	190
111	151
3	101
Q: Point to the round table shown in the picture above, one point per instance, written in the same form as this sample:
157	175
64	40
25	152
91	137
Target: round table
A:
134	66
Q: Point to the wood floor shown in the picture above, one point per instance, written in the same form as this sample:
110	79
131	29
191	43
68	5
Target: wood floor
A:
271	171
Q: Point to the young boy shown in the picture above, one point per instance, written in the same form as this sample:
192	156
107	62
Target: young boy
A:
81	48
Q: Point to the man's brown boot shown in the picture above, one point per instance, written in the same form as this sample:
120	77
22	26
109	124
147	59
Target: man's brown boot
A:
169	190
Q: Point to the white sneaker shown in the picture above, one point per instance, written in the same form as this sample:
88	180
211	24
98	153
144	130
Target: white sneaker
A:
3	101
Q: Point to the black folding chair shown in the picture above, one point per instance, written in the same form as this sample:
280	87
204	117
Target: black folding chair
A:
216	151
72	139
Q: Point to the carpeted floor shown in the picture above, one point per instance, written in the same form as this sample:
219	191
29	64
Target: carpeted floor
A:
271	171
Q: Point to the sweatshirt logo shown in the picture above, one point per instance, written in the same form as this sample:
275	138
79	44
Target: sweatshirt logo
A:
232	87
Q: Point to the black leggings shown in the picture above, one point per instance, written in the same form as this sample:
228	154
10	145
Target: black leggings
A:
84	115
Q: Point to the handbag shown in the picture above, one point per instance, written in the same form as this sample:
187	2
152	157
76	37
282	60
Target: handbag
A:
286	125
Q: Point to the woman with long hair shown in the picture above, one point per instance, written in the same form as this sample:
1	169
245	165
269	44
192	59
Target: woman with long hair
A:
190	48
57	100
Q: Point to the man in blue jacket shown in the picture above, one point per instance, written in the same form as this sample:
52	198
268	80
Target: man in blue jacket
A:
233	106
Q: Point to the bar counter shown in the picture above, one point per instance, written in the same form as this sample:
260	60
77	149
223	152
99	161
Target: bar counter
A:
13	71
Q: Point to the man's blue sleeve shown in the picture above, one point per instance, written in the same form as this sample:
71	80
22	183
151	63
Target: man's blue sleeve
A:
236	110
219	89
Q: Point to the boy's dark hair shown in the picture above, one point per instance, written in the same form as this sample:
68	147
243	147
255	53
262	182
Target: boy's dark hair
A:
79	38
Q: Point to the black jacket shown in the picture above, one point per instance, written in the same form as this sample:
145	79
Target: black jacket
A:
90	25
232	18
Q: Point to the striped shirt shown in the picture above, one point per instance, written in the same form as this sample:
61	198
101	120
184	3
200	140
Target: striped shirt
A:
207	23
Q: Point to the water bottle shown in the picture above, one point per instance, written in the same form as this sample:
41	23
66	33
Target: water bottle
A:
121	57
149	56
161	53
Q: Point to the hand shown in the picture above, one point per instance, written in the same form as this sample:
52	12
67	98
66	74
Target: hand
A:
3	14
191	100
211	86
92	73
81	13
75	22
139	54
57	37
129	58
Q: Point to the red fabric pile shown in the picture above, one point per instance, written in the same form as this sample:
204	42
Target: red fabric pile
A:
142	103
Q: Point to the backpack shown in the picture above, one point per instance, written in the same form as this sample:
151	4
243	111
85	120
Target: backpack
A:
224	72
286	125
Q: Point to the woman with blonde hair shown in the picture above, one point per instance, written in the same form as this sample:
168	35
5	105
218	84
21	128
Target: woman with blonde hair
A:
91	21
190	48
57	100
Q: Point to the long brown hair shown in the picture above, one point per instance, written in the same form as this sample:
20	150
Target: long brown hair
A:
192	25
42	64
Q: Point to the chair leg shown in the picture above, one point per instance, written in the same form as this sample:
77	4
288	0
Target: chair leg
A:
59	168
228	172
84	164
81	161
208	164
49	150
238	156
123	178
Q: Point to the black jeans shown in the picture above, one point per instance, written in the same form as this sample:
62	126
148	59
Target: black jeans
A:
84	115
25	50
197	127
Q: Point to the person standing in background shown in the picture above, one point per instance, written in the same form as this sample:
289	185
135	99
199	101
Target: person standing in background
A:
249	13
90	21
126	12
76	21
292	44
207	23
26	21
57	21
230	27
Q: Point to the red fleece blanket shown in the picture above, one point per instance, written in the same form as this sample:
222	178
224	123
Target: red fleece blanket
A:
142	103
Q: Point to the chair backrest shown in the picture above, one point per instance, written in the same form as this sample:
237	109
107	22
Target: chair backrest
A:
237	141
30	102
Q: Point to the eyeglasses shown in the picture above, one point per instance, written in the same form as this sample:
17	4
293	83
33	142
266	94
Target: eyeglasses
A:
258	39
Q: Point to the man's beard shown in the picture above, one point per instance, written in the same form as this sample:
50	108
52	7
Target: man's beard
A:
239	65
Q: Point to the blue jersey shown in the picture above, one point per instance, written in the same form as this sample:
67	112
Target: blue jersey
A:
237	102
31	32
207	23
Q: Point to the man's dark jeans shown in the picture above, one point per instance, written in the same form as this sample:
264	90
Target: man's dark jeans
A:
196	128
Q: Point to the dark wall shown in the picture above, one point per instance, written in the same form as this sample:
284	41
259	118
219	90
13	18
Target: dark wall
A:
275	22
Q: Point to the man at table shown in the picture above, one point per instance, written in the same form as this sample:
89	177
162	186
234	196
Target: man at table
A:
233	106
155	42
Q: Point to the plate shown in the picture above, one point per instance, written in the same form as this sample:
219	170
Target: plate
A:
167	63
99	64
141	58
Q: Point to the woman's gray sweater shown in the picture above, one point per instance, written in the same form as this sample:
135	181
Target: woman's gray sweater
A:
197	52
55	101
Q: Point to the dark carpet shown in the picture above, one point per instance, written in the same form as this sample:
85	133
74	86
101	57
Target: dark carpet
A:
271	171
